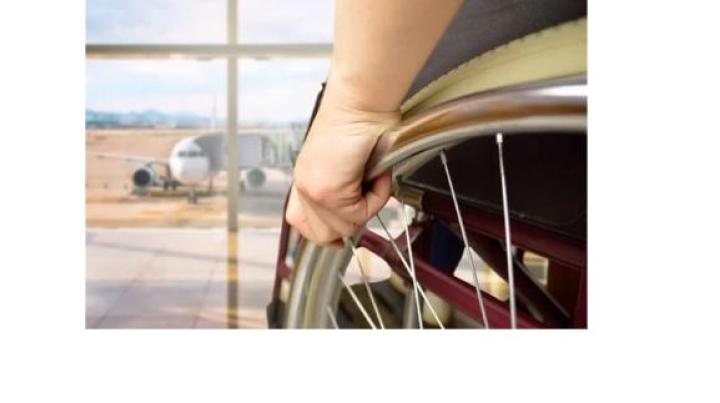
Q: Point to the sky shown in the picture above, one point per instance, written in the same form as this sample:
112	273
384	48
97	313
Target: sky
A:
270	90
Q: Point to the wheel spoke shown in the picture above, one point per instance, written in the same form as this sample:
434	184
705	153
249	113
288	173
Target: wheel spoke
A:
478	292
332	317
407	268
508	240
412	265
349	243
357	301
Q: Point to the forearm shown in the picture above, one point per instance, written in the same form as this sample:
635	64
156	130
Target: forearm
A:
380	45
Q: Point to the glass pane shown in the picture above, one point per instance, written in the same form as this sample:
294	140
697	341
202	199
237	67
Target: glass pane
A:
276	98
279	91
137	113
154	257
155	21
285	21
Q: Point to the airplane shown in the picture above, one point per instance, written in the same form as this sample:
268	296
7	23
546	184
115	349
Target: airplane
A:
198	159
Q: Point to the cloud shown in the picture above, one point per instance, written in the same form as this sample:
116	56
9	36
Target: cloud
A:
204	21
274	90
286	21
282	90
158	21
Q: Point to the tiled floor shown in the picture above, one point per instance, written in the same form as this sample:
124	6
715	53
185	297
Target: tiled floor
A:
178	278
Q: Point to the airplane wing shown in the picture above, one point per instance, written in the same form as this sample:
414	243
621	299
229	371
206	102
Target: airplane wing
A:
130	158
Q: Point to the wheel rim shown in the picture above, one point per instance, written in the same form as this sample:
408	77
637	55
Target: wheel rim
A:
315	288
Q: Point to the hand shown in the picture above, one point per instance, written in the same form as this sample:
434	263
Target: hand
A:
327	201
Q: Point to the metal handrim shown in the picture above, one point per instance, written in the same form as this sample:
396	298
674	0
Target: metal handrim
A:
315	285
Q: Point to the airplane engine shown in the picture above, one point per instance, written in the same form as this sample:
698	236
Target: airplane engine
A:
253	178
143	178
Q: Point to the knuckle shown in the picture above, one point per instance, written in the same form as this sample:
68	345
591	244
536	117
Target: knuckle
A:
322	195
317	191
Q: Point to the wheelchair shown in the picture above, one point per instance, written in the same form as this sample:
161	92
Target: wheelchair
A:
489	170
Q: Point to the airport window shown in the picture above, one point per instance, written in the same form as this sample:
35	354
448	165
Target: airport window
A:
169	93
277	97
280	91
139	107
142	109
278	21
204	21
155	21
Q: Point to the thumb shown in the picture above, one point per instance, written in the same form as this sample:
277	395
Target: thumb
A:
378	194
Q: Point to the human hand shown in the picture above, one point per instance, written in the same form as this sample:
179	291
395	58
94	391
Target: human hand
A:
327	201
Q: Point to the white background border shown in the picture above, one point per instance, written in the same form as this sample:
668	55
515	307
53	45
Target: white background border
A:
653	227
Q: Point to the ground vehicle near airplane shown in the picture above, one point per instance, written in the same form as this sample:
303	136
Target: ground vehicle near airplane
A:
492	159
196	160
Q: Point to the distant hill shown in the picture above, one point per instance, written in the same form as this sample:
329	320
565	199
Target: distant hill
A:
147	118
152	118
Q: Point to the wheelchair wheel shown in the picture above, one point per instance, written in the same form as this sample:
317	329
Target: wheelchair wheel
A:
513	206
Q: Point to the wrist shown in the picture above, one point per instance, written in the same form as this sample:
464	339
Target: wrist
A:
341	105
350	90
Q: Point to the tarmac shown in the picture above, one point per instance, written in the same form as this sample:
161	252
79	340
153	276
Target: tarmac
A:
157	261
179	277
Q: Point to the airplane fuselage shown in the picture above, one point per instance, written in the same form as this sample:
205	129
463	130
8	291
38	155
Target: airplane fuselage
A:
189	164
196	160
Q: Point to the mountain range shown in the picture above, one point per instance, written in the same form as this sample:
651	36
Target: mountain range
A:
146	118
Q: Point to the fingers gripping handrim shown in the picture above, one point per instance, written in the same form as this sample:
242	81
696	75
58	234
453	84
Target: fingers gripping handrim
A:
295	216
378	195
302	214
324	226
